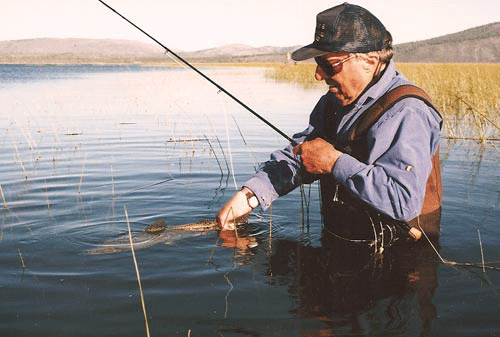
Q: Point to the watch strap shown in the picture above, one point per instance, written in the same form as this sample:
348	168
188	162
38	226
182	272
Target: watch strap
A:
252	200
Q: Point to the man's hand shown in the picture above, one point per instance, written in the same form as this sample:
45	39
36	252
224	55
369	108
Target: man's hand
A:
318	156
234	209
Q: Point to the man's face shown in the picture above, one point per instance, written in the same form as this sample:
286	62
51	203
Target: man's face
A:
350	77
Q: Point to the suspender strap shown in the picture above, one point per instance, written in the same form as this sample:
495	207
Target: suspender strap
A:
357	147
384	103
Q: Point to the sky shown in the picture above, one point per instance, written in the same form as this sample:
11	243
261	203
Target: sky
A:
190	25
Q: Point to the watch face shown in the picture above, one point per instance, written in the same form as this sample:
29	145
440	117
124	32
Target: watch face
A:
253	202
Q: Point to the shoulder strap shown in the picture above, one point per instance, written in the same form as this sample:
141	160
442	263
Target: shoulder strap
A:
374	112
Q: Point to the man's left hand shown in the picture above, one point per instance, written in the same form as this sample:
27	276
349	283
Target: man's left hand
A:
318	156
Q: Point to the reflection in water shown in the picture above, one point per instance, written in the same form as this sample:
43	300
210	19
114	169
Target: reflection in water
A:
341	288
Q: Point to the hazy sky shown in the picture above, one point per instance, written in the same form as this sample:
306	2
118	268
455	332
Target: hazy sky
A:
198	24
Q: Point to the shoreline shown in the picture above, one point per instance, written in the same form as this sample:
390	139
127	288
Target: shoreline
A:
35	61
138	63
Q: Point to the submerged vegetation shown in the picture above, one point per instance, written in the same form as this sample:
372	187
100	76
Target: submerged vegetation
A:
467	95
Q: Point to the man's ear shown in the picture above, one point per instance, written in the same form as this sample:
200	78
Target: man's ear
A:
371	62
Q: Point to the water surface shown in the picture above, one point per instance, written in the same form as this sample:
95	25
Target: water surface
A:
80	145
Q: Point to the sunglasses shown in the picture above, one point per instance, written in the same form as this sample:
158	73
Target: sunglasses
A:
327	67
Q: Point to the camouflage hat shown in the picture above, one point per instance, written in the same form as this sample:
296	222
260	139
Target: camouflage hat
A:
345	28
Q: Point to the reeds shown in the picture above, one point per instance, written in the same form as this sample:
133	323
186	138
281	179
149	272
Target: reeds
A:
137	272
21	260
3	197
467	95
82	175
301	73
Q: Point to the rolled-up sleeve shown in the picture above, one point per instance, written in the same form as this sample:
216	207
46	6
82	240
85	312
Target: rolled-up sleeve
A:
278	176
283	172
274	178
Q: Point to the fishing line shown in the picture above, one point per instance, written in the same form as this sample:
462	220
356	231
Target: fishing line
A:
252	155
204	76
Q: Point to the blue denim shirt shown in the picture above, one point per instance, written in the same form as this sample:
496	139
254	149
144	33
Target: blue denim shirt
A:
401	145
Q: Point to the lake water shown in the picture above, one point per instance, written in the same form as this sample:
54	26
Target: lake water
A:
83	146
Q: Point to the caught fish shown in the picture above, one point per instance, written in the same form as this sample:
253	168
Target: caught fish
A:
157	232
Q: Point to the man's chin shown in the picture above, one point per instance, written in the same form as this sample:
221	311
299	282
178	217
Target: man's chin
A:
343	99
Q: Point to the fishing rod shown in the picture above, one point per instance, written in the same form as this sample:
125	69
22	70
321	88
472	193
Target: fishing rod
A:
294	143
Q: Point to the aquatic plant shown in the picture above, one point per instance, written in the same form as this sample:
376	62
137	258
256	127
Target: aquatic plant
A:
467	95
137	273
302	73
3	197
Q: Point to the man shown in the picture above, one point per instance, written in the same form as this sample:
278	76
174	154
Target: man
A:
377	182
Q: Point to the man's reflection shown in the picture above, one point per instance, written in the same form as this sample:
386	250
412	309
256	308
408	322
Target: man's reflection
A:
343	287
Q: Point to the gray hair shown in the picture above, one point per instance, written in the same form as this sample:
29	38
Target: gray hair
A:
385	54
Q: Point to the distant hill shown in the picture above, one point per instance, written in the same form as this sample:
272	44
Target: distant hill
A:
480	44
64	51
241	53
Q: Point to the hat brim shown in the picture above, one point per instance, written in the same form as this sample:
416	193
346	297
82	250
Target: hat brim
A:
307	52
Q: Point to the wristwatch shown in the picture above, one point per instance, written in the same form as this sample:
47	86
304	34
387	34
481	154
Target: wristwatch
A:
251	198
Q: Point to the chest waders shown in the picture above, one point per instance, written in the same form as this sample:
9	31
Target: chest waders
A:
349	218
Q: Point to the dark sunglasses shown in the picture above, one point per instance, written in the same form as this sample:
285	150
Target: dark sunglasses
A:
329	68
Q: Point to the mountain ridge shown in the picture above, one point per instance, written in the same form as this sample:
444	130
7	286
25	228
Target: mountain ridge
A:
478	44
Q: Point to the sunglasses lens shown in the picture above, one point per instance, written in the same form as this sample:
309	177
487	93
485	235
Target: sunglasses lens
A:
325	65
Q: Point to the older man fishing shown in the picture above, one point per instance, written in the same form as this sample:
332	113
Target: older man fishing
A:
372	140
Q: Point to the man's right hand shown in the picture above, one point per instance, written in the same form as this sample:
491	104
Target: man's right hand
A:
234	209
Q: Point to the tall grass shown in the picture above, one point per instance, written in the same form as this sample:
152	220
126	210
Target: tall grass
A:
301	73
467	95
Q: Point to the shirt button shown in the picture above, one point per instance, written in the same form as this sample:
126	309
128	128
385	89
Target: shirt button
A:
409	168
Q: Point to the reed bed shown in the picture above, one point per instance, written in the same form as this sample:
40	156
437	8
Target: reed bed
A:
467	95
301	73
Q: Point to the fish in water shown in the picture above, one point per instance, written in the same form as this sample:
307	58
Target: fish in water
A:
157	232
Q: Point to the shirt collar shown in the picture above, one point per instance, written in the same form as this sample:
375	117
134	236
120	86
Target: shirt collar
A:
380	87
